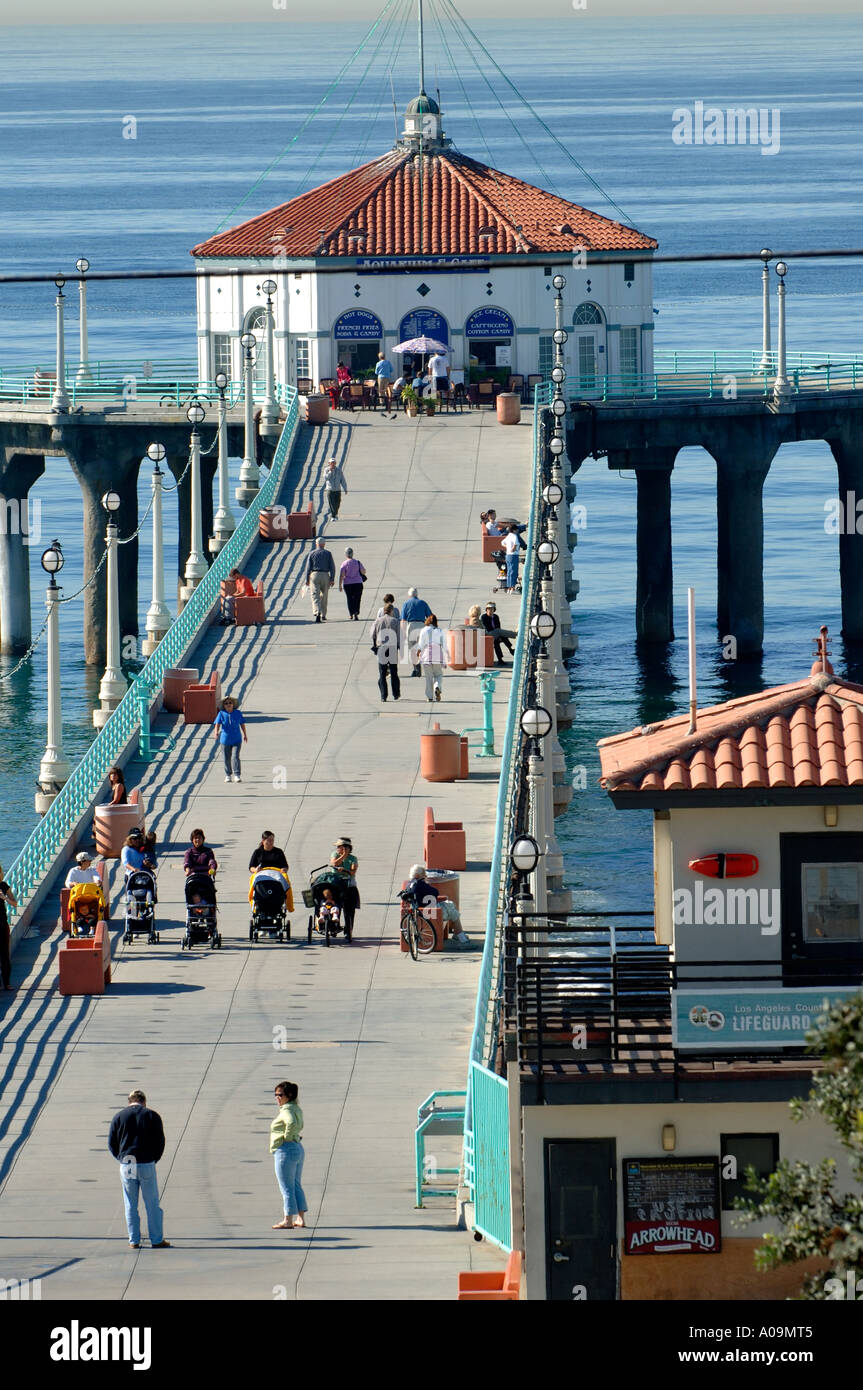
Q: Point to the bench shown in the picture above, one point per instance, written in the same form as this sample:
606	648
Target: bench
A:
249	608
111	824
85	963
489	544
492	1285
443	843
201	702
301	525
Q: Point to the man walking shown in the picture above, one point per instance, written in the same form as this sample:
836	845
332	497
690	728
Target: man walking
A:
334	482
415	610
137	1140
384	377
386	640
322	573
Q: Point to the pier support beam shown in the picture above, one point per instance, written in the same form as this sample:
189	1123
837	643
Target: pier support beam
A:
97	475
847	449
740	474
18	473
654	593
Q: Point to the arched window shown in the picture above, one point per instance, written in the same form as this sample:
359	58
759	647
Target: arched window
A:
587	313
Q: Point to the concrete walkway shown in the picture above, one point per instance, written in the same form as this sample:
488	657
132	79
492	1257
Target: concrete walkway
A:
365	1032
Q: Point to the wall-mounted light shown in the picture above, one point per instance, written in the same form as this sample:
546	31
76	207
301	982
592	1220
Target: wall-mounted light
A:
831	816
669	1139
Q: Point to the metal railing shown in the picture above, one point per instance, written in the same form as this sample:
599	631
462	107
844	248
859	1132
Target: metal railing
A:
38	856
169	383
577	994
726	383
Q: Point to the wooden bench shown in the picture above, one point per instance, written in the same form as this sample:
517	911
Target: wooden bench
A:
301	525
201	702
249	608
85	963
444	844
491	1285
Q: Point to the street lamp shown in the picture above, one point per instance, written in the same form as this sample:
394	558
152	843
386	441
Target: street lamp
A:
781	386
60	400
558	375
560	336
270	407
543	625
559	281
82	265
53	769
224	523
547	552
112	686
556	445
552	494
766	355
558	407
158	618
524	854
250	474
196	565
535	722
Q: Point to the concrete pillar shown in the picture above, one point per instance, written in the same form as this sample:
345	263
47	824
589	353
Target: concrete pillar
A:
847	450
740	475
18	473
654	597
97	475
208	465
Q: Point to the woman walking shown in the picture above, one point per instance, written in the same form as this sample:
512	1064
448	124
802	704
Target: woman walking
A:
431	655
345	863
352	577
230	732
286	1133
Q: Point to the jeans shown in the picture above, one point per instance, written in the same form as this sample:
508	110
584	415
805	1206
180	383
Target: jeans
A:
354	596
383	668
412	636
334	501
289	1161
231	751
433	672
512	570
141	1177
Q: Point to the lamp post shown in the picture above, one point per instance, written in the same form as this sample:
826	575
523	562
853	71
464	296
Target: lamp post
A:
250	474
196	565
536	723
53	769
270	407
82	265
224	523
112	687
766	354
781	386
60	400
158	616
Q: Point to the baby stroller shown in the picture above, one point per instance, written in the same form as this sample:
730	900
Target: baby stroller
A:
499	557
140	915
272	899
327	925
86	906
201	925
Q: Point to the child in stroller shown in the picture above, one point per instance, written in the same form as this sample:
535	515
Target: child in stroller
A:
326	897
86	906
499	557
271	898
140	916
201	917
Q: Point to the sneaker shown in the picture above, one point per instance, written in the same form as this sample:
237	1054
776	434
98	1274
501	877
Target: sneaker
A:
317	617
436	691
134	1245
238	779
227	779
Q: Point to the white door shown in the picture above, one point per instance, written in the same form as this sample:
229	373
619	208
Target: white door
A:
587	367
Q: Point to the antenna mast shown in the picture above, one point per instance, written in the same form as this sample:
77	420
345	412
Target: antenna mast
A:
422	55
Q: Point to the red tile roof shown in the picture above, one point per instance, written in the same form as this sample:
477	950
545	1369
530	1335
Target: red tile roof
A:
440	205
807	734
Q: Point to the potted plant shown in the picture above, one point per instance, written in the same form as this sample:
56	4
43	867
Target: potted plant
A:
430	402
410	400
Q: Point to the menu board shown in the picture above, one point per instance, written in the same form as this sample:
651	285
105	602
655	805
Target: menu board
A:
671	1206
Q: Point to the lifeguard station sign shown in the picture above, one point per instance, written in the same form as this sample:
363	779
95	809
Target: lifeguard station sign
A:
745	1020
671	1206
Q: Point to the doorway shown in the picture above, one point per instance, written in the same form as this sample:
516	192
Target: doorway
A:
359	355
581	1219
822	909
589	330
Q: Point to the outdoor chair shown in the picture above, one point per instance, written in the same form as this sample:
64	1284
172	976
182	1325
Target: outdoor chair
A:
304	385
535	379
516	383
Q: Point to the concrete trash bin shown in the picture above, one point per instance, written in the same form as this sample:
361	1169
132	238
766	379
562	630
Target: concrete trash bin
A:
440	755
315	409
175	683
273	524
446	881
508	408
455	648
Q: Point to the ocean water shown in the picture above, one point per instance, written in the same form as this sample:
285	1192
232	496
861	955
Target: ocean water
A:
215	106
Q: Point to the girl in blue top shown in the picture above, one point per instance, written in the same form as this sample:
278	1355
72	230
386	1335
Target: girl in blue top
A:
230	732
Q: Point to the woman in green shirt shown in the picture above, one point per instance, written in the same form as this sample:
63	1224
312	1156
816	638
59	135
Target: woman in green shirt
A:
344	861
286	1132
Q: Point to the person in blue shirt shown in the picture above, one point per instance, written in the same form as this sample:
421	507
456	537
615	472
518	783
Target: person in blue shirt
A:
415	610
384	375
137	853
230	730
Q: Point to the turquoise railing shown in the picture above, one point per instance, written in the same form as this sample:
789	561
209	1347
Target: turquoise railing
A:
485	1027
728	382
167	383
39	854
489	1105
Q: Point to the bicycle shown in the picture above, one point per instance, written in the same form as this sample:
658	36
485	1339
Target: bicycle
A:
417	930
170	399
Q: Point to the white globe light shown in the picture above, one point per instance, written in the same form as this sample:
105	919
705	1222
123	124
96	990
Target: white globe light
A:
524	854
269	287
248	341
82	265
536	721
555	444
558	374
560	335
547	552
559	281
156	453
543	625
52	558
196	413
221	381
558	406
552	494
111	501
781	268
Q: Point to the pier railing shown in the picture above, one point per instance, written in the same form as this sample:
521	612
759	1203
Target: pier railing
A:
168	383
720	375
486	1124
38	857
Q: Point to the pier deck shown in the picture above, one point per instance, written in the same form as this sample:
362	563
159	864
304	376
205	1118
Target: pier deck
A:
368	1033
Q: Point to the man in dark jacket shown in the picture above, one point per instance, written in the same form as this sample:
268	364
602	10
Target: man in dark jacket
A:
137	1141
491	623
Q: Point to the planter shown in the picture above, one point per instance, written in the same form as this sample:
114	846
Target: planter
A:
413	411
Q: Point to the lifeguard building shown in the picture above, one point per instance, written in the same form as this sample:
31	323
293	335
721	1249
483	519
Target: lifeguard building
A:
425	240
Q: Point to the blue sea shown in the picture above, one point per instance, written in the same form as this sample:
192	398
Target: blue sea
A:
215	106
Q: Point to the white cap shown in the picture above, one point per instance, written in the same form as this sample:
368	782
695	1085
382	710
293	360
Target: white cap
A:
83	858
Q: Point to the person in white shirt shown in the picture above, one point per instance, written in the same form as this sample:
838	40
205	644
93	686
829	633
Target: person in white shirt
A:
510	545
431	655
438	370
83	872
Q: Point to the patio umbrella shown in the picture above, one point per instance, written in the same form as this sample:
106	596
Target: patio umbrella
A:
420	345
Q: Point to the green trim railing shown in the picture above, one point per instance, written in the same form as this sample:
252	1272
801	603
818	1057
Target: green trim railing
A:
726	383
485	1029
38	856
167	383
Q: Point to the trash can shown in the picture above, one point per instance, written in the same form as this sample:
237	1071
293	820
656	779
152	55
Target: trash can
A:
315	409
273	524
455	648
175	682
508	408
446	881
440	755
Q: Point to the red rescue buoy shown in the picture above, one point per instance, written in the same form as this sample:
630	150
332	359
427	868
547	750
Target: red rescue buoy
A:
725	865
